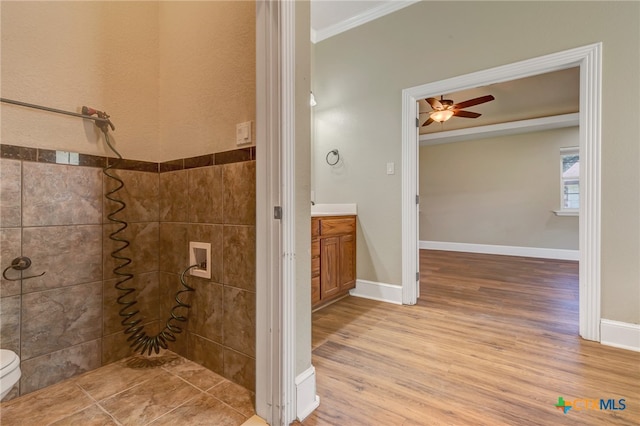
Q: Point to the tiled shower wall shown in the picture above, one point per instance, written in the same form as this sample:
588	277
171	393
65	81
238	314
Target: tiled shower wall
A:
214	204
66	322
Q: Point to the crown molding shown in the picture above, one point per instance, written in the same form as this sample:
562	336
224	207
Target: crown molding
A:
360	19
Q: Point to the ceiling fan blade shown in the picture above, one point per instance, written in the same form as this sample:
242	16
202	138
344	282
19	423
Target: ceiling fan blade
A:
466	114
435	104
474	101
429	121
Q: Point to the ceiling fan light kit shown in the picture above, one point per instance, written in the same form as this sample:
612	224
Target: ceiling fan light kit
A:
444	109
441	116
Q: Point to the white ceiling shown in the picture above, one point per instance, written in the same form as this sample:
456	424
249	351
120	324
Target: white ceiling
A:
533	97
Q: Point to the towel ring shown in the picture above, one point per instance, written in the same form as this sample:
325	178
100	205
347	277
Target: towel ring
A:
337	155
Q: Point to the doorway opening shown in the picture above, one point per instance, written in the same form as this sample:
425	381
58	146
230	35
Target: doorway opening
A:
588	59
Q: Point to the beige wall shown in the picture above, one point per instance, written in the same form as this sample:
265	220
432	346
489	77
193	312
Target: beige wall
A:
69	54
359	76
207	75
175	77
499	191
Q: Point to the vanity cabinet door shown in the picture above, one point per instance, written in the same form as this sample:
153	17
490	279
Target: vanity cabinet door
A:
329	264
347	261
315	290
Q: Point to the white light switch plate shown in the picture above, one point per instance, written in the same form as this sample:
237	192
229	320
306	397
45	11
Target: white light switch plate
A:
243	133
391	168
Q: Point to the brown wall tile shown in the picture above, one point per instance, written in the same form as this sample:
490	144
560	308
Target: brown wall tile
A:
140	194
240	369
239	254
206	315
10	193
199	161
13	393
239	325
233	156
180	346
169	287
10	248
10	323
239	193
68	254
18	152
146	295
134	165
174	247
115	347
206	353
170	166
205	195
144	238
61	195
55	367
174	196
60	318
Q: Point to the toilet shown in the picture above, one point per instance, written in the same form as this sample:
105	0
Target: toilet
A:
9	371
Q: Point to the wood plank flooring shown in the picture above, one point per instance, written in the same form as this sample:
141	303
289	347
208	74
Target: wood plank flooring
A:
492	341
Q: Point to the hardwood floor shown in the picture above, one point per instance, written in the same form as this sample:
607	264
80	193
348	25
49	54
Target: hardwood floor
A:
492	341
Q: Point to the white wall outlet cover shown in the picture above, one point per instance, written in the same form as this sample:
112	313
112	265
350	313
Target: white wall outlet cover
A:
243	133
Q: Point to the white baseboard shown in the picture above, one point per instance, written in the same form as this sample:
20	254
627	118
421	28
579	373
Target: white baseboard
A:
620	334
306	398
378	291
544	253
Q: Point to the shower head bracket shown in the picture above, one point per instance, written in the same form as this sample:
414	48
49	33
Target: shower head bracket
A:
102	124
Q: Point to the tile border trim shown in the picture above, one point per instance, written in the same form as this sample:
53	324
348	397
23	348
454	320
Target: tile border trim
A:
50	156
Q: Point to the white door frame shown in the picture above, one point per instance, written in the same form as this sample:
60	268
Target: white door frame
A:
275	187
589	59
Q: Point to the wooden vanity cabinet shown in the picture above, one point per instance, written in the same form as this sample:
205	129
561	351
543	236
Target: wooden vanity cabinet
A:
315	261
333	258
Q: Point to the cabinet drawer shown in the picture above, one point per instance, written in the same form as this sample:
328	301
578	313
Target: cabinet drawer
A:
315	266
315	227
329	227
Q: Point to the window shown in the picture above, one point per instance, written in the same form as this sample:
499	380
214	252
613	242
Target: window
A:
570	181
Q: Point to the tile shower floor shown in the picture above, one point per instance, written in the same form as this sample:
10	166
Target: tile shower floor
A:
159	390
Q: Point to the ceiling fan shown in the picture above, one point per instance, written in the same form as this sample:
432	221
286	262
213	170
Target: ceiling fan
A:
444	109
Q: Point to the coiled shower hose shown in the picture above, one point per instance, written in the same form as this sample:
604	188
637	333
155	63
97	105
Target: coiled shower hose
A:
131	321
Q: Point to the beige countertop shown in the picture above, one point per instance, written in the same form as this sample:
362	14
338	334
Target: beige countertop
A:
334	210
